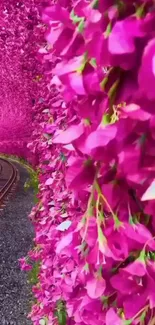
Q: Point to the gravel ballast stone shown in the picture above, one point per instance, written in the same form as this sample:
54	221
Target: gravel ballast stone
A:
16	239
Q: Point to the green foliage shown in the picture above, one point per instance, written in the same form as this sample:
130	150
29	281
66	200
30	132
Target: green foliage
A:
33	274
61	313
127	322
33	182
143	316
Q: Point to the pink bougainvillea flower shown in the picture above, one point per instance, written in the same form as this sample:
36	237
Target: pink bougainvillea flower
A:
124	283
139	301
95	287
138	268
115	46
69	66
118	251
146	75
76	83
134	112
86	306
50	128
49	181
24	265
121	39
91	231
69	135
113	318
101	46
53	12
92	79
113	12
150	192
101	137
80	174
138	232
65	241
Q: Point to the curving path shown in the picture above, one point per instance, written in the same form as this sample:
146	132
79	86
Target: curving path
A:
16	238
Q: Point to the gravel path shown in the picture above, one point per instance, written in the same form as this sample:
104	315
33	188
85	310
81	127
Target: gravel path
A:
16	234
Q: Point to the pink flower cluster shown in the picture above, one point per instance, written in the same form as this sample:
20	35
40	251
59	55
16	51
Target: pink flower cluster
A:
95	221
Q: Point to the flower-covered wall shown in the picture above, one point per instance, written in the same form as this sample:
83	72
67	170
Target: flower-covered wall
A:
95	228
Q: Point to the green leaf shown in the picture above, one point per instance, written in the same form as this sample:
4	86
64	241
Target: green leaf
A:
76	19
62	317
103	83
63	157
33	182
81	26
131	222
118	223
151	255
104	300
86	268
108	30
93	62
86	122
61	313
140	12
142	256
33	274
101	238
127	322
121	5
142	317
113	89
81	68
95	4
105	119
114	269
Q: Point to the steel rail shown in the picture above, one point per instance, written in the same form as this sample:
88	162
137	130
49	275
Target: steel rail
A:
1	168
10	182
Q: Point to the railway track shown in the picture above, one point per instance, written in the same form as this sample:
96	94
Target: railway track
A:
8	179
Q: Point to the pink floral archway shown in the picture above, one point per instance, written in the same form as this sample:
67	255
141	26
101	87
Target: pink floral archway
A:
19	73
